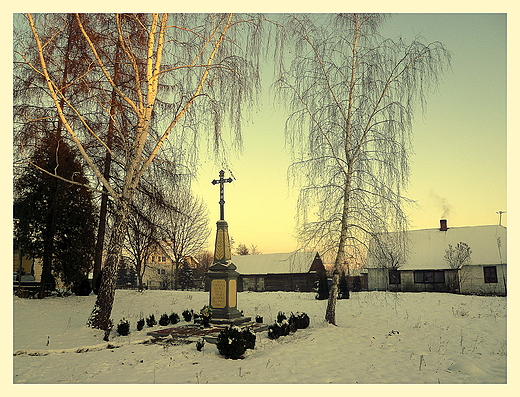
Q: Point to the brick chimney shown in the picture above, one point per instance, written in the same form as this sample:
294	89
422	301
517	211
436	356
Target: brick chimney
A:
444	225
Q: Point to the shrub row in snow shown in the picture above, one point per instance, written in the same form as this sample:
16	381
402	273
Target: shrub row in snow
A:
123	328
284	326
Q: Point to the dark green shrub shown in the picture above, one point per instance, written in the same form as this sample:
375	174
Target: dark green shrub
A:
206	313
259	319
284	327
249	338
303	320
272	331
293	323
174	318
343	291
278	329
164	320
200	344
323	287
187	315
123	328
140	324
281	316
82	288
150	321
231	343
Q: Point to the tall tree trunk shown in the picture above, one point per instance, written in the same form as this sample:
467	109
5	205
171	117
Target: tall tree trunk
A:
330	314
100	239
46	271
48	243
100	316
20	266
139	269
176	273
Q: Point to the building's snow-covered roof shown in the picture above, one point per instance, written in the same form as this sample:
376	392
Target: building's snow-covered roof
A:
293	262
427	247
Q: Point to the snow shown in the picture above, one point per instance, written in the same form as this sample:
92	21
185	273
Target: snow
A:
381	338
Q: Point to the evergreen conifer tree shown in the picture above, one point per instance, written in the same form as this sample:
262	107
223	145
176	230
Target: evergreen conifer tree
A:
54	219
186	276
343	290
323	287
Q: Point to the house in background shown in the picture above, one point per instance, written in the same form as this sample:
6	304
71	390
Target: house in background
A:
425	269
296	271
160	268
29	268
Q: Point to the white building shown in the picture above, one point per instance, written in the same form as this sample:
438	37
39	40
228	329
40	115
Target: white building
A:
423	267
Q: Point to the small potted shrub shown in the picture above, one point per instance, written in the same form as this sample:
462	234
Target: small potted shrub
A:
230	343
273	332
164	320
123	328
278	329
140	324
303	320
174	318
280	317
298	321
249	338
293	323
187	315
150	321
205	314
200	344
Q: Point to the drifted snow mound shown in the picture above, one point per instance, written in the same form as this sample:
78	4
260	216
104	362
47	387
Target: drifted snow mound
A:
465	367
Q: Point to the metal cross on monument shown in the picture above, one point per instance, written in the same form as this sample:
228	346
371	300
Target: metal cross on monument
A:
222	180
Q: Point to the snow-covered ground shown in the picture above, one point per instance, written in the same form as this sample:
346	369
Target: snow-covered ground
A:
381	337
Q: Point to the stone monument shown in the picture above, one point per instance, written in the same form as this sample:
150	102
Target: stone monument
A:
222	273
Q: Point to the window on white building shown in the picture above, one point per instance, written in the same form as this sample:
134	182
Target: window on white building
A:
490	274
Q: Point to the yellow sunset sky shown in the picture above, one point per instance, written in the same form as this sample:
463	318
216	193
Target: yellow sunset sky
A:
458	170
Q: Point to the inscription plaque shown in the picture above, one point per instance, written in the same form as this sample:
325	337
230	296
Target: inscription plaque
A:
232	293
218	294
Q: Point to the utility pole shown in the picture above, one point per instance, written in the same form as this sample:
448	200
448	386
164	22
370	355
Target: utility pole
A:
500	217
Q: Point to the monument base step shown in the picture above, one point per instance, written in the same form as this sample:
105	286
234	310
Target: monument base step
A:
230	321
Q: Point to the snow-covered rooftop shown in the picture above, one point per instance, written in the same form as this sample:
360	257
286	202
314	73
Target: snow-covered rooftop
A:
427	247
293	262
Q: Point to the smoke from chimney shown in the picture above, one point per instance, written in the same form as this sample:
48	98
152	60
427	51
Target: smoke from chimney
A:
441	202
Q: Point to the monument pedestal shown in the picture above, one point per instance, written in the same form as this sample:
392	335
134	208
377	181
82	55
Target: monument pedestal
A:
223	294
223	282
223	291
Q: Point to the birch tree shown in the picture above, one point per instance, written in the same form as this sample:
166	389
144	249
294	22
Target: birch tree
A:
190	73
352	95
458	256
